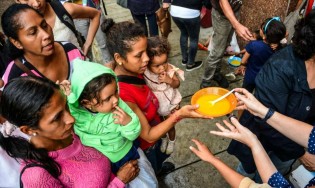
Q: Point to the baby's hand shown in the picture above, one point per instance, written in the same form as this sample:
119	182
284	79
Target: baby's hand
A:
121	117
65	86
164	78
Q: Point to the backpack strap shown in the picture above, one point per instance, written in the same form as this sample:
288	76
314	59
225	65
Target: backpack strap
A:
18	63
66	19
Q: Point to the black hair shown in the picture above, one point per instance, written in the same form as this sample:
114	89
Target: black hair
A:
274	30
158	46
121	36
257	33
22	103
11	24
93	89
303	40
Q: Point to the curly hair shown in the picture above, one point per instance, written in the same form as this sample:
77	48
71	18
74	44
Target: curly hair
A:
304	37
158	46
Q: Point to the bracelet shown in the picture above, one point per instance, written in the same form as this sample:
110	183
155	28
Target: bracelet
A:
268	115
177	118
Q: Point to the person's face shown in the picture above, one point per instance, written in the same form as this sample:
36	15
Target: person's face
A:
137	59
39	5
158	64
108	99
35	35
56	123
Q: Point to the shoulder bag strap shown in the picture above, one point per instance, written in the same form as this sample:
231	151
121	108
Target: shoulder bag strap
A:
23	67
66	19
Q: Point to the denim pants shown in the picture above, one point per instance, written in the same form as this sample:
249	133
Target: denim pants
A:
189	29
222	32
153	27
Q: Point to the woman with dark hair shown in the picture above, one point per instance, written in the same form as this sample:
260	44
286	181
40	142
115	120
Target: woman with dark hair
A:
54	156
62	32
285	84
128	45
31	43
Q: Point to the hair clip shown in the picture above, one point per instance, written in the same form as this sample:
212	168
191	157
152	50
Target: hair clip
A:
277	18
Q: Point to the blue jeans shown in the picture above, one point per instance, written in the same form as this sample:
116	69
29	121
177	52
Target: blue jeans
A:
153	27
189	29
155	156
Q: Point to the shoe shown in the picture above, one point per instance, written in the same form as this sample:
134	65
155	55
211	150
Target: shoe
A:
202	47
184	63
164	144
230	76
195	66
170	147
205	84
167	167
222	81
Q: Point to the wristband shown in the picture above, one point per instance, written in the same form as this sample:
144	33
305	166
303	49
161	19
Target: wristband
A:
177	118
268	115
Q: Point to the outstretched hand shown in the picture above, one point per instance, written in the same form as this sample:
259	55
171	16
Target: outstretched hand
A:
237	132
244	32
202	151
189	111
247	101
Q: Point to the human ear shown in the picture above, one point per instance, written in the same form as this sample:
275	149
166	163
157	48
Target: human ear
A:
86	103
119	59
27	130
16	43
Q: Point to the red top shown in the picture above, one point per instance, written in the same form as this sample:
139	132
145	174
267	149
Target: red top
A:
146	101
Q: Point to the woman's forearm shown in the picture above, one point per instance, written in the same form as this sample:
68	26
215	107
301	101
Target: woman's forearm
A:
231	176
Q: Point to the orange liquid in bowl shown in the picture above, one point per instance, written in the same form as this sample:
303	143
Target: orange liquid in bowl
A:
220	108
235	63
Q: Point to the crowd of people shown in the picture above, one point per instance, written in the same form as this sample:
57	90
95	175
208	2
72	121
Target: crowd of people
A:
69	122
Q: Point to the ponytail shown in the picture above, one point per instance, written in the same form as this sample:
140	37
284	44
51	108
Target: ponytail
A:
19	148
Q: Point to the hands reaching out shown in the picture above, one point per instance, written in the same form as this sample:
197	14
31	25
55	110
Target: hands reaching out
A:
121	117
202	151
244	32
247	101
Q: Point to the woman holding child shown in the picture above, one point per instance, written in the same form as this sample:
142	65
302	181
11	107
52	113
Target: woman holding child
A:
53	156
127	43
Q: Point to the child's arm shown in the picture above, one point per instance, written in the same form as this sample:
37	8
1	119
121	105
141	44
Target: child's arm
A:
130	127
173	82
165	78
245	58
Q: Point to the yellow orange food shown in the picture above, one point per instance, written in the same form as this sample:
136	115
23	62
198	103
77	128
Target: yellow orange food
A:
235	63
220	108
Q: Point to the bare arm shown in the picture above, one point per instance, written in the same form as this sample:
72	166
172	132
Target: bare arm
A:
231	176
295	130
240	133
245	58
240	29
78	11
152	134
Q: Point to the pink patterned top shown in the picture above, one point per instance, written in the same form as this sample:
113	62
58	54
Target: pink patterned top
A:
81	166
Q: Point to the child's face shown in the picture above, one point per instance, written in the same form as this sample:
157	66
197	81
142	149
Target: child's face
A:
158	64
108	99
